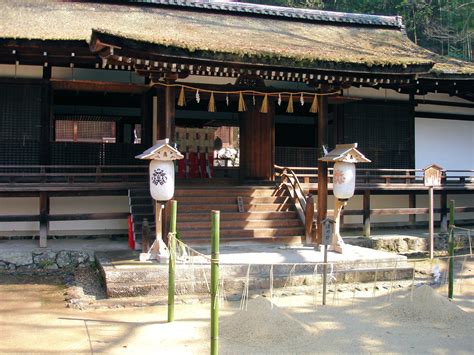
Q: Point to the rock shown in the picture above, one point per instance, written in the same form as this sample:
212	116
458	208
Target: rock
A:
52	267
71	258
17	258
44	259
3	266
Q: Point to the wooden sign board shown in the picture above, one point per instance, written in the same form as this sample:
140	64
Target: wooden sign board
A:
240	204
327	231
432	175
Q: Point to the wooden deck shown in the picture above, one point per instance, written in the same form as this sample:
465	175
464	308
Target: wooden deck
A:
66	180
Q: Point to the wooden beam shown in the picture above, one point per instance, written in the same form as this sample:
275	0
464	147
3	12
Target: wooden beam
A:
444	116
444	103
88	85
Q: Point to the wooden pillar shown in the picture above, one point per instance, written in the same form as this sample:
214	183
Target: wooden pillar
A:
44	223
45	120
412	204
444	211
166	112
166	129
147	119
322	166
257	142
366	208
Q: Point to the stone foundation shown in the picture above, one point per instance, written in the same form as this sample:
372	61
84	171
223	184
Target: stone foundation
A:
406	245
43	259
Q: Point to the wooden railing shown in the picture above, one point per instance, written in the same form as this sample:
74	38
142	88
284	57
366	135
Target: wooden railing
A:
67	180
304	203
384	177
71	174
379	181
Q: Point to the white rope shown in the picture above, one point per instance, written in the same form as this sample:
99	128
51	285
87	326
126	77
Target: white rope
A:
315	278
290	275
375	279
394	274
412	288
245	292
461	276
205	279
468	236
222	294
355	285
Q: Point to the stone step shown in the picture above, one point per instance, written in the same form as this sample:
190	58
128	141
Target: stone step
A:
141	200
141	209
130	278
225	239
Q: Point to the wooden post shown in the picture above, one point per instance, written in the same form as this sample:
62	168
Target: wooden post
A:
46	122
451	251
366	208
412	204
325	272
172	261
44	215
215	228
322	166
309	216
167	112
431	221
444	211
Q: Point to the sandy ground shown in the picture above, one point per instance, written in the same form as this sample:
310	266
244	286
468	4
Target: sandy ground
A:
34	319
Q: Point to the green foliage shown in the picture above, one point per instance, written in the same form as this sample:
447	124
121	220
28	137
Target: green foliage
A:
444	26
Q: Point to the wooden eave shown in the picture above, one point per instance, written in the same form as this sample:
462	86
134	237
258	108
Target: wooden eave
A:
153	59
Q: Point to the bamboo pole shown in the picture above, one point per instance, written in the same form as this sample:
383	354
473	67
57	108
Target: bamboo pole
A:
451	250
215	219
172	261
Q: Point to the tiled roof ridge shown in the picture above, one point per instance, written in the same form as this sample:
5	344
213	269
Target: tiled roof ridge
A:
275	11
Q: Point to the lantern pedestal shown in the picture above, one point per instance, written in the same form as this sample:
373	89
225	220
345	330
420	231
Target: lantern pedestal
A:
158	250
338	244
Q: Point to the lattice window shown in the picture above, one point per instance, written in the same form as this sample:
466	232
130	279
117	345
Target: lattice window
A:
85	131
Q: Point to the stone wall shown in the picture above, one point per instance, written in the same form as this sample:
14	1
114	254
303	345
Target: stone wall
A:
44	259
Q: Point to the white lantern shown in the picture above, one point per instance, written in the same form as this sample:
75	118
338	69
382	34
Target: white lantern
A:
162	180
344	180
161	169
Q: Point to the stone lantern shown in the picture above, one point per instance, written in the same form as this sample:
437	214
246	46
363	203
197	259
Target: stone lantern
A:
344	157
162	178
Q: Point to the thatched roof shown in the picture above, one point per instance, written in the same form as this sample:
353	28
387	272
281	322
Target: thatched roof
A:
228	35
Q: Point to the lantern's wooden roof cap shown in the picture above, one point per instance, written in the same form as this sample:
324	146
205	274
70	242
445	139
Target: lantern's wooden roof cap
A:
433	167
161	151
328	220
345	153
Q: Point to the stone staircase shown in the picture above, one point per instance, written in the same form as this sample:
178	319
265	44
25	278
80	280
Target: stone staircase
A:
264	216
141	207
